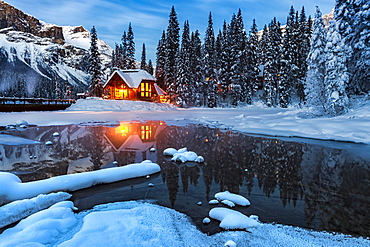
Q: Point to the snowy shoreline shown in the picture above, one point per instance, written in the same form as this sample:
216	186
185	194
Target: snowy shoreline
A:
255	119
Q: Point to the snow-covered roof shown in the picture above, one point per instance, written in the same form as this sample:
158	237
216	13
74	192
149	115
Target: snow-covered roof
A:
132	77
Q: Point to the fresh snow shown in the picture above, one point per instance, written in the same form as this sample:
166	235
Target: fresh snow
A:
14	211
255	119
12	188
144	224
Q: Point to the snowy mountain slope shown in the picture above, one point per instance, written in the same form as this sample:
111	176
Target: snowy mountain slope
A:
55	53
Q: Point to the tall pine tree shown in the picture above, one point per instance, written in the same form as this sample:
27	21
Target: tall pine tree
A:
197	69
209	63
184	88
130	48
172	50
336	76
252	68
95	68
143	64
314	84
161	61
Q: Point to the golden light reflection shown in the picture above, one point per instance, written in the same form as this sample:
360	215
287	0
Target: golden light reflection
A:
123	129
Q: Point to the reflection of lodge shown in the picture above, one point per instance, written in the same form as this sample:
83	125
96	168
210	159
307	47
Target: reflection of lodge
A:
133	137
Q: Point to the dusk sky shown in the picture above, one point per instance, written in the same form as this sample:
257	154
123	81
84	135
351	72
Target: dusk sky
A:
150	18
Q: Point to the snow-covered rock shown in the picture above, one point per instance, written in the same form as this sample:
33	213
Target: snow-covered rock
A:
183	155
231	219
230	243
237	199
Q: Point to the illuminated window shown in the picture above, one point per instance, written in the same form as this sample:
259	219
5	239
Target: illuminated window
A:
145	90
146	132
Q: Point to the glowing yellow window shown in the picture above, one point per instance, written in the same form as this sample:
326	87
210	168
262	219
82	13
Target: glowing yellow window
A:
145	90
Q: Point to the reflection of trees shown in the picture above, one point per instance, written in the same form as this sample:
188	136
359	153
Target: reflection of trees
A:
189	174
336	190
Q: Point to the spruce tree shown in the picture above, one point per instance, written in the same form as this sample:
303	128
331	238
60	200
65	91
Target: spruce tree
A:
143	64
336	76
172	50
225	61
252	69
314	84
197	69
130	49
237	37
161	61
272	62
289	66
122	52
184	89
361	48
95	66
209	62
150	68
304	38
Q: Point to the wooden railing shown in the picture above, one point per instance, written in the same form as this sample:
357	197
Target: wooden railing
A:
33	104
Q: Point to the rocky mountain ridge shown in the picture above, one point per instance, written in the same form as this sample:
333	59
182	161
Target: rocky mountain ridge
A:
37	59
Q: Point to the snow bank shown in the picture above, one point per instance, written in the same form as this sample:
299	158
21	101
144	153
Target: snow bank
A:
11	187
17	210
231	219
143	224
97	104
42	228
230	197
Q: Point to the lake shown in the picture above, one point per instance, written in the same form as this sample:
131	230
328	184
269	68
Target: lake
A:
321	185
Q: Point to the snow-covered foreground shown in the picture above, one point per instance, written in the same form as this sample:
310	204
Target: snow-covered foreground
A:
144	224
353	126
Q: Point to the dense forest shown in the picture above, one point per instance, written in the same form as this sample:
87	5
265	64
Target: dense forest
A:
304	62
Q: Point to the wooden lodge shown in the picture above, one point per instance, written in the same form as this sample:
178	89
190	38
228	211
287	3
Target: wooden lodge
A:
134	84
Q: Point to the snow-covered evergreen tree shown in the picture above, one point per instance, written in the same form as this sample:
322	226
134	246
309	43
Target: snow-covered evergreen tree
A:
130	48
314	84
209	62
225	62
172	50
143	64
361	46
150	68
237	38
251	68
273	62
184	86
197	69
353	24
336	76
303	39
161	61
289	66
95	68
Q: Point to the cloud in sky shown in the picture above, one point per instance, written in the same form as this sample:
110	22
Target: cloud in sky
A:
150	17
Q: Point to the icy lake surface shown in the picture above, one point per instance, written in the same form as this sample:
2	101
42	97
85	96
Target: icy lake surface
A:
312	184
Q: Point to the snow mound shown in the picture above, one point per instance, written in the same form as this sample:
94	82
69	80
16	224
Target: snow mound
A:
231	219
42	228
17	210
11	187
234	198
183	155
97	104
